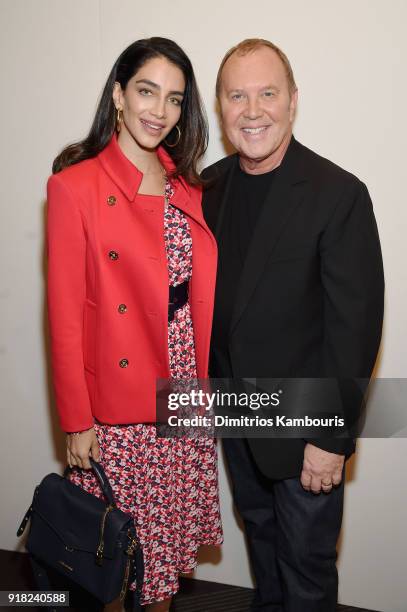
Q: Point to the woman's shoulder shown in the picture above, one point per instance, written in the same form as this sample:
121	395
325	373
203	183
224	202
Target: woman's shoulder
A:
77	176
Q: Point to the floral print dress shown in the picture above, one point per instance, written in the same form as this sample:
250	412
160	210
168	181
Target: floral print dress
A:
169	485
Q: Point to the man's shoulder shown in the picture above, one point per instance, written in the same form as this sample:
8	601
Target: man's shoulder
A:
321	169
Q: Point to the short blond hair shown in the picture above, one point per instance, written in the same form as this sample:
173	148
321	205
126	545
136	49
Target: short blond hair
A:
252	44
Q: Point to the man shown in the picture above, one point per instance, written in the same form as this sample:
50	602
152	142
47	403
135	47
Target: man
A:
299	294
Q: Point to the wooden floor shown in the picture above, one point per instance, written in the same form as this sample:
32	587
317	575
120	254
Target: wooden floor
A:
194	595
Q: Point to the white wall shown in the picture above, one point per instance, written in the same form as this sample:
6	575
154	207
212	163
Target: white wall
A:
349	59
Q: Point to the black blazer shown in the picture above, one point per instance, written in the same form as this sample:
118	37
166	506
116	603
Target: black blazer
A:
310	298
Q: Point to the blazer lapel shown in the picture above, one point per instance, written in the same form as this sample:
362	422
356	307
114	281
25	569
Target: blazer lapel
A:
216	195
223	186
285	195
183	200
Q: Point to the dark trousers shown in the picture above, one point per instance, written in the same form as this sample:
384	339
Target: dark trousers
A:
291	534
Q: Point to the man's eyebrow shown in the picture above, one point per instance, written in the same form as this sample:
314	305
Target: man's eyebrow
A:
271	87
155	86
263	88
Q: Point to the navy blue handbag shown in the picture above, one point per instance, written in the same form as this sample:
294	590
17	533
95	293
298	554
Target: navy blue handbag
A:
91	542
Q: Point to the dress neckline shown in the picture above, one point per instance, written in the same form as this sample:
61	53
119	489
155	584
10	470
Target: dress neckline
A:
149	195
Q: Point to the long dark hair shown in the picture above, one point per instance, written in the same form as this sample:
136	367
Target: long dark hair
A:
192	123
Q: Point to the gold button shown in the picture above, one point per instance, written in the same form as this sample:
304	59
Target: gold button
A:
111	200
113	255
122	308
123	363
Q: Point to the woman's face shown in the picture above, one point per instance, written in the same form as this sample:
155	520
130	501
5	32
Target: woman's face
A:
151	102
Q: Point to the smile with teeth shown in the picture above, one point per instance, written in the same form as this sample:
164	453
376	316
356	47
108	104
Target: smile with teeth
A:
256	130
151	125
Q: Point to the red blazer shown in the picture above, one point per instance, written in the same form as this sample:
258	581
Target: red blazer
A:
108	289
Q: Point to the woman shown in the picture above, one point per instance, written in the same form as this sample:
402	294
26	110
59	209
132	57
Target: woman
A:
124	224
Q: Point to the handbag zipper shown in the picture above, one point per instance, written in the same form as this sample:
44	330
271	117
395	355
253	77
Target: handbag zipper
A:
130	552
99	552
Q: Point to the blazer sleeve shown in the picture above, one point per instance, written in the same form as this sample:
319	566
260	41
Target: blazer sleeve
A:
353	282
66	291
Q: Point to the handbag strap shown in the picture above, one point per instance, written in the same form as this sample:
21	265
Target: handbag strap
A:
102	479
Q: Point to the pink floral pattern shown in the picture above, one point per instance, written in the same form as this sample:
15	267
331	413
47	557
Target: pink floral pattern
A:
169	485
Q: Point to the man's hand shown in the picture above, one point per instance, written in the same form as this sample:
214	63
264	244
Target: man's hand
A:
321	470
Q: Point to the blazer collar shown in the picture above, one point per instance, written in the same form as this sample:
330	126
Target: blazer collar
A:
291	171
128	177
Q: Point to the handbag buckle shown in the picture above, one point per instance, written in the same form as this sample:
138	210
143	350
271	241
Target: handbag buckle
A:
132	546
24	521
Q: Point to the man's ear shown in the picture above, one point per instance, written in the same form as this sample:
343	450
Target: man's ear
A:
293	104
218	110
117	95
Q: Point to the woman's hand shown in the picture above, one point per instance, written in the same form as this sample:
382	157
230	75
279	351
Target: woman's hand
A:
80	446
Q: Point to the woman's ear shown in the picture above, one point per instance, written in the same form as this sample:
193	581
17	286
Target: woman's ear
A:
117	95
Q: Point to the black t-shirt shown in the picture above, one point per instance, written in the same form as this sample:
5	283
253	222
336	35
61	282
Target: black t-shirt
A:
243	207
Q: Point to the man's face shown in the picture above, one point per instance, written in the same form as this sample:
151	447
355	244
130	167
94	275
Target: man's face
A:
256	106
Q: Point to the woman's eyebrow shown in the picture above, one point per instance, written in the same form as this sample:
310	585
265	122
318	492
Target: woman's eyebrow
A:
155	86
147	82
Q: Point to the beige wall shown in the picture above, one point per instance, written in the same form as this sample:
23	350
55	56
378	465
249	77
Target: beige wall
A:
349	58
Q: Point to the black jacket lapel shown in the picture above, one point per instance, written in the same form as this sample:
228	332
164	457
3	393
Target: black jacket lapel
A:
286	193
216	194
